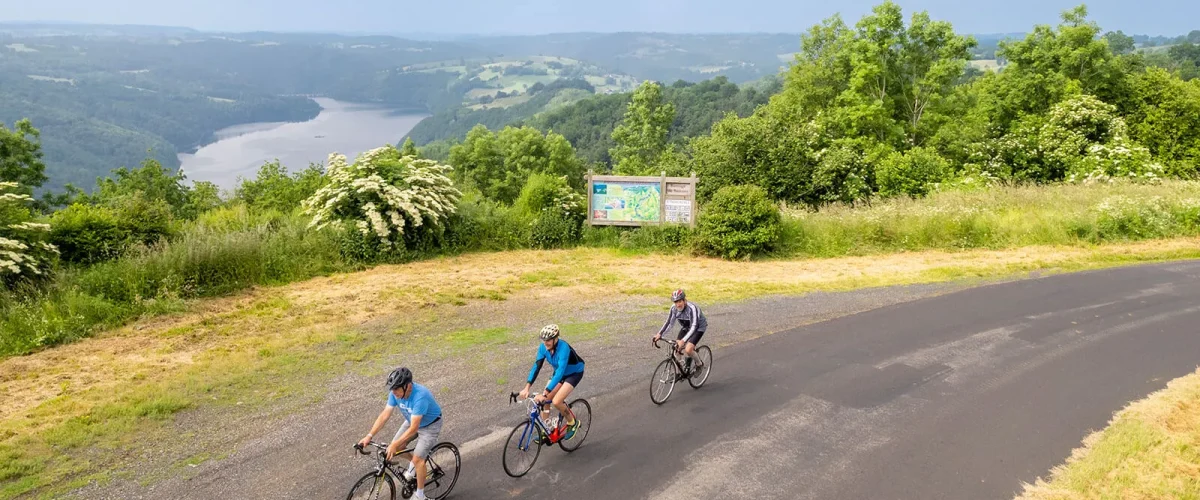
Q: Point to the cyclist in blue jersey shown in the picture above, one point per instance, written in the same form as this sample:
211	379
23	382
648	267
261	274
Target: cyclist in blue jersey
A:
692	325
421	412
568	371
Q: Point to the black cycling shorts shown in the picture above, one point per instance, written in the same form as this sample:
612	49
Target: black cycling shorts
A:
696	338
573	379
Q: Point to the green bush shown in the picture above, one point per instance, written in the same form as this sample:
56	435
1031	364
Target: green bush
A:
739	222
911	173
274	189
146	220
539	193
841	176
483	224
86	234
555	227
557	211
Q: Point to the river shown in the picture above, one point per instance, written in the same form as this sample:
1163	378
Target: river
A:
342	127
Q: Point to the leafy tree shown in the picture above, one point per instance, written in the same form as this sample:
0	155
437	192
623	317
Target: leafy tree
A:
274	189
409	148
879	79
498	164
21	156
1119	42
642	135
151	181
1166	118
1052	63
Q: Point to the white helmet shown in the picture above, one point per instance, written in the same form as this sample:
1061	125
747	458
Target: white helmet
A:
549	332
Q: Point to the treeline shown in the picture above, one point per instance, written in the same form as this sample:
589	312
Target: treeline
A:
887	107
458	121
589	123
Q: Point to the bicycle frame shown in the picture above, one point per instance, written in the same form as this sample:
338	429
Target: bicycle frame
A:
674	355
535	419
383	464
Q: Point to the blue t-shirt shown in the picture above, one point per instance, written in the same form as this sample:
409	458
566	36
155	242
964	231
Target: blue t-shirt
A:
419	402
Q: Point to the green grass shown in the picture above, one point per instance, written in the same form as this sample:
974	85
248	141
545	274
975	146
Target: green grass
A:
1150	450
464	339
1000	218
203	262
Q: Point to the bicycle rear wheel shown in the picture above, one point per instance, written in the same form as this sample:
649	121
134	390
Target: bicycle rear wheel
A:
699	376
443	465
373	487
662	382
583	414
522	449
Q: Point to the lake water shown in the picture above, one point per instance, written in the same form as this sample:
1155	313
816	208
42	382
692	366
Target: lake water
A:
342	127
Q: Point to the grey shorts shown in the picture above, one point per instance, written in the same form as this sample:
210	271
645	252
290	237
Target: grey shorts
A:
426	437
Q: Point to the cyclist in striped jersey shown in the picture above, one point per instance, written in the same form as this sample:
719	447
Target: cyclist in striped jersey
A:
692	326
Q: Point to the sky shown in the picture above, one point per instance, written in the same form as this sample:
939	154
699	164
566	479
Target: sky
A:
1152	17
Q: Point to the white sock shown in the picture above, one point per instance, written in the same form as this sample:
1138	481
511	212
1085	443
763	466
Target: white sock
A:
420	494
409	473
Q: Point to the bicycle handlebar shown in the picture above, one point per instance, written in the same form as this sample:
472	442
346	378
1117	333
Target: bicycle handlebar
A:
359	447
669	341
512	398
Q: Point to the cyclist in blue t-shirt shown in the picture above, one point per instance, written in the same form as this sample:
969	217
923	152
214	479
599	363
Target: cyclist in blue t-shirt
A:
421	412
568	371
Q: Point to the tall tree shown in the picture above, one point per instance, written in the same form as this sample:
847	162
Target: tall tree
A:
21	156
498	164
1119	42
1052	63
642	136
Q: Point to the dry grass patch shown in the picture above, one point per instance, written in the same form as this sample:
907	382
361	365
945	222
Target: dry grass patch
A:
1150	450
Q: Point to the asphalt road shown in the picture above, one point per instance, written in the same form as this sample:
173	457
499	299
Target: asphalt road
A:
964	395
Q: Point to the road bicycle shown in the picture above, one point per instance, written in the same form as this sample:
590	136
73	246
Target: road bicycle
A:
442	467
673	369
527	438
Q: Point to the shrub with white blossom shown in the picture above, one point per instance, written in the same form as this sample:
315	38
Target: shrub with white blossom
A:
384	196
24	252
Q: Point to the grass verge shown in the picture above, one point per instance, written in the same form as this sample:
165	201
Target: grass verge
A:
1151	449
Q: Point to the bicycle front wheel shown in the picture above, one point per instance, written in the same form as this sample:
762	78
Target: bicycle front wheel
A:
583	414
522	449
663	382
699	376
373	487
443	465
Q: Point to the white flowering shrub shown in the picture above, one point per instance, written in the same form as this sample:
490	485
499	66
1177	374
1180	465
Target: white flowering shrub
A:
1118	160
1081	139
384	196
24	252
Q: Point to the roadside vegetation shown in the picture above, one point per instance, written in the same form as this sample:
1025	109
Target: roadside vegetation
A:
1149	450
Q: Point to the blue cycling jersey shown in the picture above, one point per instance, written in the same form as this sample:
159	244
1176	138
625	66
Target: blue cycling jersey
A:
564	359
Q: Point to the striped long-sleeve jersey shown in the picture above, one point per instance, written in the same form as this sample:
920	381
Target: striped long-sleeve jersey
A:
691	319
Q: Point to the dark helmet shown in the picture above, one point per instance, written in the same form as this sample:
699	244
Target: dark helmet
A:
678	295
399	378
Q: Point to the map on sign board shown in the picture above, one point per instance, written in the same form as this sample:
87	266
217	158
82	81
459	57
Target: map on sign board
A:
626	201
